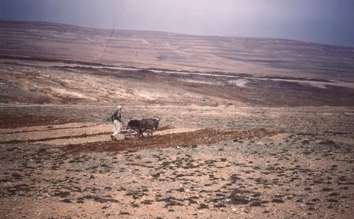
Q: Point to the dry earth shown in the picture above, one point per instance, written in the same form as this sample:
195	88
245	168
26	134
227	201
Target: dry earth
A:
204	162
255	143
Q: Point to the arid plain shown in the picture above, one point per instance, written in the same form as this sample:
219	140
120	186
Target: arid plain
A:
250	128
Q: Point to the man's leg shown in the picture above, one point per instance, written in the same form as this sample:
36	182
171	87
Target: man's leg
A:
119	127
115	129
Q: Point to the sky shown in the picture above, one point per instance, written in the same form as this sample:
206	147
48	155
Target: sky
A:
322	21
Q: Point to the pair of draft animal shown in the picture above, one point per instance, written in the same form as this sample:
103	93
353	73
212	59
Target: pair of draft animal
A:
143	125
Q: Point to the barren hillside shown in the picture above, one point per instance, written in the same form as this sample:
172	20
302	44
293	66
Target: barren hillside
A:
175	51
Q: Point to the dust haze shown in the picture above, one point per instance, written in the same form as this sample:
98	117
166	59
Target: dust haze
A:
323	21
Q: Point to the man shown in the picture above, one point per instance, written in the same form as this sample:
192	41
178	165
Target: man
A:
117	121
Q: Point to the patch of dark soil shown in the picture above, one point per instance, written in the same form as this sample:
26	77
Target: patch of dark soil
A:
9	120
62	194
171	201
242	197
19	189
97	199
53	138
49	128
136	194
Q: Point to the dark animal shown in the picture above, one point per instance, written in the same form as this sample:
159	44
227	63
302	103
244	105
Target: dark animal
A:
150	125
135	125
144	125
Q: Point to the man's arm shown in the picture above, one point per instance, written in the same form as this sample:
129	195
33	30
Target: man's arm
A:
119	116
114	116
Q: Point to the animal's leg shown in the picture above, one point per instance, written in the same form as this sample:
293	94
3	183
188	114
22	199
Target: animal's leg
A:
140	134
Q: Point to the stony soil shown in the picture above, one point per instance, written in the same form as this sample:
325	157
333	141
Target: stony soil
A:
230	145
207	162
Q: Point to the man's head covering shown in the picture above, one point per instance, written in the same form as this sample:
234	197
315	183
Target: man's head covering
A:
119	107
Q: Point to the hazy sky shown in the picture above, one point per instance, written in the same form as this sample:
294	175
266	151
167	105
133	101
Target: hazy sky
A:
324	21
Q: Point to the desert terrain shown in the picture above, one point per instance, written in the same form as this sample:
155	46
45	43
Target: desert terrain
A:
250	128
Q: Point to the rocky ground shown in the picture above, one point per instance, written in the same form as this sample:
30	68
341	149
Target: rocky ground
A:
254	162
228	146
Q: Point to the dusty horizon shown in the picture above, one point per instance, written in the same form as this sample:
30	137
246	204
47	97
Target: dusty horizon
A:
325	22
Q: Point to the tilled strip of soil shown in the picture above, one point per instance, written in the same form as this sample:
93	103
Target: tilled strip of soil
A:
53	138
203	136
11	120
48	129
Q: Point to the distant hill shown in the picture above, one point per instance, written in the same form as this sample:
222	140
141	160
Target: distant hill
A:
147	49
